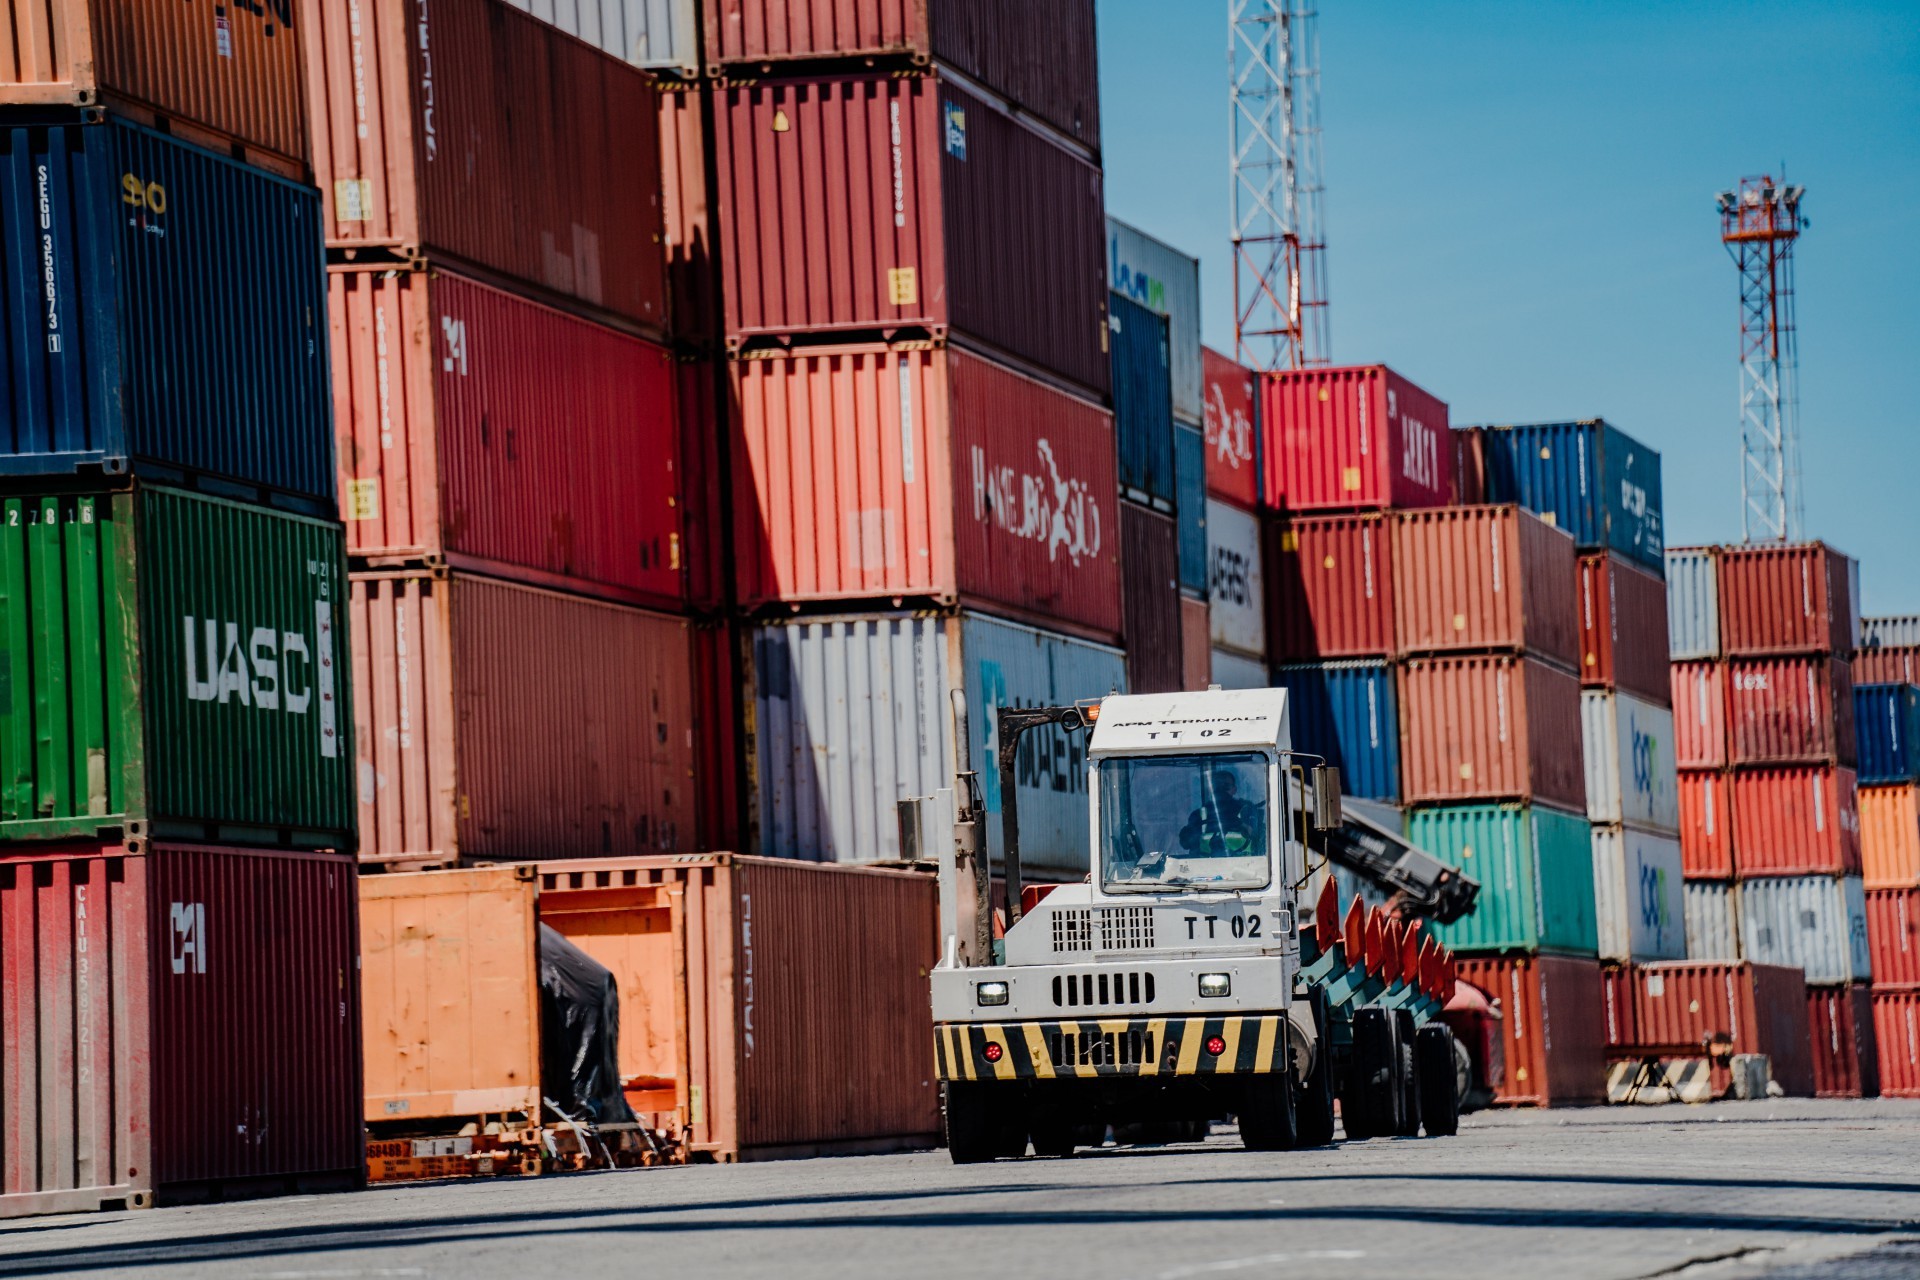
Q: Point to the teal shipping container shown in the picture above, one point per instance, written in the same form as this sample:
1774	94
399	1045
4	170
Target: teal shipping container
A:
1590	478
174	666
1535	868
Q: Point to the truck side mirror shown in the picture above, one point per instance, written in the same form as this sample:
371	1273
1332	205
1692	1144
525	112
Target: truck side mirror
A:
1326	798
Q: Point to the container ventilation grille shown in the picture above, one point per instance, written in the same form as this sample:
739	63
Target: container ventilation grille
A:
1073	930
1071	1049
1126	928
1104	988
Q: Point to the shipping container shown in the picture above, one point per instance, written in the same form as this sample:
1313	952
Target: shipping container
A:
1628	746
1700	714
877	472
1330	587
1890	836
1236	671
1786	599
1196	644
1640	906
1166	282
1795	821
1554	1023
1893	936
1488	728
688	233
1706	824
1693	603
1623	627
1232	470
174	662
1760	1008
780	1046
661	35
1790	711
1590	478
115	327
1616	985
1896	1032
1816	923
499	721
1150	599
1479	578
1899	665
1535	868
1348	712
883	201
719	779
1469	481
1142	407
180	1019
1191	507
419	152
1886	719
1351	438
1038	55
1890	632
1237	588
704	473
1713	920
851	715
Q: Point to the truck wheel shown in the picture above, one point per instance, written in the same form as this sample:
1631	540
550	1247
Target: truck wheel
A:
1437	1067
972	1135
1404	1034
1266	1113
1313	1106
1369	1104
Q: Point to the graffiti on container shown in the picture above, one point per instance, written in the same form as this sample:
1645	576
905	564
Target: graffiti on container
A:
1049	759
1229	430
189	937
1229	580
429	138
1419	445
1061	512
282	10
49	282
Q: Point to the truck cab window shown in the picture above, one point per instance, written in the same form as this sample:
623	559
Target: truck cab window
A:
1197	820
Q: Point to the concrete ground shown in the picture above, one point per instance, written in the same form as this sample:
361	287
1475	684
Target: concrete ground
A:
1788	1188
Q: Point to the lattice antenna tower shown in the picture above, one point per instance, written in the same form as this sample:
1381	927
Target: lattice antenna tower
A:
1279	243
1759	223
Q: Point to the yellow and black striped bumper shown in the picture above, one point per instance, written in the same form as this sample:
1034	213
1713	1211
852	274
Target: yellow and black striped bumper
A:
1110	1047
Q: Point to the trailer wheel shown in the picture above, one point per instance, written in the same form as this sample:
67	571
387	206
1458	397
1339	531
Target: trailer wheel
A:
1314	1105
1404	1035
1266	1113
1437	1065
1370	1102
972	1135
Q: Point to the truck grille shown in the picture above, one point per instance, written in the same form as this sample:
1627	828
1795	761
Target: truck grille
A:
1101	1049
1105	988
1073	930
1126	928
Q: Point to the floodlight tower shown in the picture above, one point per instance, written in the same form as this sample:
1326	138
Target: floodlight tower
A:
1759	223
1279	245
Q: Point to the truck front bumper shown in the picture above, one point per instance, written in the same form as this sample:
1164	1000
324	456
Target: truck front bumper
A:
1067	1050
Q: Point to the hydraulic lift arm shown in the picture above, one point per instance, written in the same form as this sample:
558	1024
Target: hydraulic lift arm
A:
1422	885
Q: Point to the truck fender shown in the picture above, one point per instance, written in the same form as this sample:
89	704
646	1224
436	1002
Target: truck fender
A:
1303	1038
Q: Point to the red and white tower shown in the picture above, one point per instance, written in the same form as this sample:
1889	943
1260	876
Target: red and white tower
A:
1759	223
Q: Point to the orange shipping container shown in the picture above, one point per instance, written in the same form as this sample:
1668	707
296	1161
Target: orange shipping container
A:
1555	1024
1477	578
1623	627
1890	836
1786	599
1330	588
1699	715
1706	826
1887	666
1796	821
1896	1030
1679	1004
1196	644
1893	936
1490	728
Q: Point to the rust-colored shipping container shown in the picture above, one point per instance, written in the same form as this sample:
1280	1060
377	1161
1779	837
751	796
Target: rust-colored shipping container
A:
1786	599
1233	472
1896	1032
1899	665
1706	825
1790	710
1699	714
1617	989
1150	599
1479	578
1893	936
718	758
687	228
880	202
792	1048
1554	1020
178	1019
1330	588
1038	54
1795	820
212	74
913	473
1623	628
500	721
1846	1059
1890	836
1490	727
1196	644
1680	1004
1469	481
468	129
704	514
1351	439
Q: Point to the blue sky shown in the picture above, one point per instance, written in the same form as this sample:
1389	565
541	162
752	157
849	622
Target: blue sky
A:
1520	218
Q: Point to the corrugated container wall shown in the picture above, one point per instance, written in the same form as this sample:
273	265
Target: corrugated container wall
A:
1554	1025
1795	820
1341	439
718	759
1815	923
1887	666
1142	407
1786	599
1890	836
1535	868
1893	936
1639	902
1896	1028
662	35
1348	712
1890	632
1787	710
1191	507
1491	728
1330	587
131	353
1693	603
1150	599
1589	478
417	151
1469	485
706	510
1232	470
1713	926
1236	577
1846	1057
1166	282
1477	578
1700	714
1706	824
1628	745
1762	1008
687	204
1623	627
1887	719
1196	647
1234	671
881	201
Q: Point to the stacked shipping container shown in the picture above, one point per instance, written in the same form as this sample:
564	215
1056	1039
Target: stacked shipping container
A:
1887	724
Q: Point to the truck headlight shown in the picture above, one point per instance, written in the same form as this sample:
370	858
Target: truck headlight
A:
1215	985
989	993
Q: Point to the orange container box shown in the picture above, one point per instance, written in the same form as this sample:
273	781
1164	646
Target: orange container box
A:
1491	727
1796	821
1699	714
1706	826
1470	579
1890	836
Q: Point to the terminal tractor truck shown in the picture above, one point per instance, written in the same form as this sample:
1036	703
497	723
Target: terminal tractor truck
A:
1193	974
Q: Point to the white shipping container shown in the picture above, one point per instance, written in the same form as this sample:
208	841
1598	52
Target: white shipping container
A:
1162	279
1631	776
1816	923
663	35
1236	584
1639	902
1693	604
1890	632
851	716
1237	671
1713	923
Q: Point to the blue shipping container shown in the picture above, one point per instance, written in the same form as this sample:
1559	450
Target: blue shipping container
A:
166	316
1886	723
1142	402
1190	490
1589	478
1349	713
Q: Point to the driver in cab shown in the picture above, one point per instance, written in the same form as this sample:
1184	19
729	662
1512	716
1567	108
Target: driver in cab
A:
1224	824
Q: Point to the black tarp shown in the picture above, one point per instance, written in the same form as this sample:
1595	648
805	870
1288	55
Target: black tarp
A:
579	1033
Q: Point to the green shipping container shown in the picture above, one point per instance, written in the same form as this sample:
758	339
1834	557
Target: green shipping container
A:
1535	868
175	661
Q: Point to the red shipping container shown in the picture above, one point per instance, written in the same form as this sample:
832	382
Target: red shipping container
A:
1893	936
421	147
1680	1004
1352	438
876	472
1846	1059
1785	599
693	277
1469	486
1796	820
486	430
1617	987
1899	665
882	202
1490	727
1554	1020
1623	628
1150	599
176	1016
497	721
1478	578
1896	1033
1039	54
1699	714
703	483
1232	471
1196	644
1330	587
1706	826
1790	710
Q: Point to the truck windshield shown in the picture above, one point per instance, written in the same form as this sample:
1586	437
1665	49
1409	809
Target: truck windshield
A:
1176	821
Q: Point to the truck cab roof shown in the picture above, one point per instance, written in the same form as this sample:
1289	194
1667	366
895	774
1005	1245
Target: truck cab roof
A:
1213	720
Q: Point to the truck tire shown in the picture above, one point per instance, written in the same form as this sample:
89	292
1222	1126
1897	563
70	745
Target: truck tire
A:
1313	1105
1370	1102
1266	1113
1404	1035
972	1135
1437	1066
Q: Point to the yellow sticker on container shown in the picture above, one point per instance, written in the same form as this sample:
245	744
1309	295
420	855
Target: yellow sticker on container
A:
903	286
1466	851
673	551
1327	563
1350	478
1459	622
1466	771
1289	541
363	499
352	199
1550	518
1545	453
